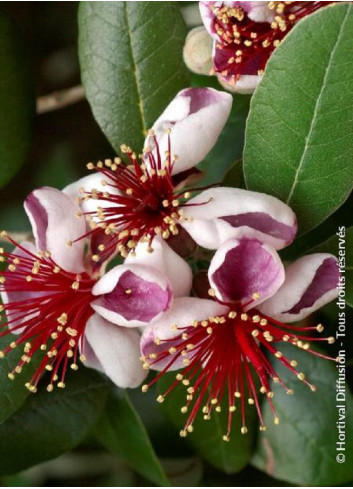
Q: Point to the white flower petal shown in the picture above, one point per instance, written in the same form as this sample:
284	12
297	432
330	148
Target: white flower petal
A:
245	271
245	84
54	222
116	351
220	213
164	259
310	283
196	117
132	295
89	183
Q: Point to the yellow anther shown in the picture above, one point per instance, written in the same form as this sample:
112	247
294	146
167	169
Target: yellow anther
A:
71	332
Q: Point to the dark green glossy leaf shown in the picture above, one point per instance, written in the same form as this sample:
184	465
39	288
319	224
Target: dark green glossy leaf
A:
16	100
342	217
121	431
13	393
234	176
131	64
341	245
299	136
49	424
302	449
207	437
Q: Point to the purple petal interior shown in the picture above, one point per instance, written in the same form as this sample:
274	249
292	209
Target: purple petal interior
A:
40	217
325	279
200	98
247	269
264	223
137	299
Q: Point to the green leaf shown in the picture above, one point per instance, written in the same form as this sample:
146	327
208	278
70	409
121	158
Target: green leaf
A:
342	247
13	393
234	176
342	217
299	136
207	437
121	431
229	146
50	424
16	100
302	449
131	64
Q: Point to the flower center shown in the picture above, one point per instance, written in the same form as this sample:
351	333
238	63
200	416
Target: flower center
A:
48	308
140	202
245	44
219	357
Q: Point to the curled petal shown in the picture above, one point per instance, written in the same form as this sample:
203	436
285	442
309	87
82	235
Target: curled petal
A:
89	182
183	312
207	16
132	295
164	259
95	181
245	84
114	351
310	283
54	220
245	271
220	213
196	117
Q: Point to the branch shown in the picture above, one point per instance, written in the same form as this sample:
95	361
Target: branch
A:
58	100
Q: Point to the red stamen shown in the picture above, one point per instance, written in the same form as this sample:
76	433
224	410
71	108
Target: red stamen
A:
48	307
139	203
220	357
